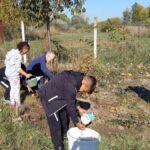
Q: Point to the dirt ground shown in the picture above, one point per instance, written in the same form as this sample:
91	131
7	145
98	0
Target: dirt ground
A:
119	108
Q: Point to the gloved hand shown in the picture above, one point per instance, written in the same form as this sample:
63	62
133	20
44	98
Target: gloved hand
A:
87	118
91	116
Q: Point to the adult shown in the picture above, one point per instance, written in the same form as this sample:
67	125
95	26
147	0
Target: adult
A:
38	67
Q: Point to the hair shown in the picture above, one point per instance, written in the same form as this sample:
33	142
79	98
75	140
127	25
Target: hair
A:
22	45
92	82
49	53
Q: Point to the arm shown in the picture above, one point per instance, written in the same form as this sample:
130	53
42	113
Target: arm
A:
70	96
22	72
81	110
18	60
46	71
82	106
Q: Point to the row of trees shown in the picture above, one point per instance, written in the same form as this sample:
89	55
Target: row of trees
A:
138	14
46	12
76	22
40	12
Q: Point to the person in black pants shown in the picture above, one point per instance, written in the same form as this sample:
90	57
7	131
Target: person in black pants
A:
58	99
5	83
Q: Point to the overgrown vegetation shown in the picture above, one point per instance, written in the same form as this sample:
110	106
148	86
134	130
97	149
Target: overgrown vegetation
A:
122	68
16	135
122	118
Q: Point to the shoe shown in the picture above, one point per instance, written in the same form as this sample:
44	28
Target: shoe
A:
35	95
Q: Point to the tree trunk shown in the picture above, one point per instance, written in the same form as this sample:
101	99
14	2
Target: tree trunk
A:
1	32
48	35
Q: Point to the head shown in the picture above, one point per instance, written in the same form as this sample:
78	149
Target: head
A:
88	84
23	47
49	56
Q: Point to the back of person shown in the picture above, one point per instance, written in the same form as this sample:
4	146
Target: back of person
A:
66	79
56	93
13	63
38	68
38	65
35	65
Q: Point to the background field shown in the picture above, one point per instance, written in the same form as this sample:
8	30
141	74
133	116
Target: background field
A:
121	102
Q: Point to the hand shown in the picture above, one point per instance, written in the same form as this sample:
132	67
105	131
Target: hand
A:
80	126
29	89
81	110
28	75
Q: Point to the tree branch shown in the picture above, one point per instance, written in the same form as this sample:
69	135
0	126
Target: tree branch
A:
58	8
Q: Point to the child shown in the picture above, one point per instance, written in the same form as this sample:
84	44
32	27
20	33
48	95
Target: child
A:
58	99
13	70
5	83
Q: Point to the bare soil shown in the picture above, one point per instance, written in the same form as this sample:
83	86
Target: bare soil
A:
120	108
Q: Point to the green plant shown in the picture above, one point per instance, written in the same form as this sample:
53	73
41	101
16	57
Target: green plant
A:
20	135
123	142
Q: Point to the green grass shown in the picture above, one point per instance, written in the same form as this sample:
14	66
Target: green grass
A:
16	135
26	136
23	136
123	142
131	50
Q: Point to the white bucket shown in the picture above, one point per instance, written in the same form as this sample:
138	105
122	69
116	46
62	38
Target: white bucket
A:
87	139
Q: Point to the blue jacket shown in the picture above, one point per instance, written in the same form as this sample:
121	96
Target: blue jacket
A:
38	67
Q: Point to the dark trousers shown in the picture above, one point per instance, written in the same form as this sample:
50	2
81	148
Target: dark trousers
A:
5	83
58	125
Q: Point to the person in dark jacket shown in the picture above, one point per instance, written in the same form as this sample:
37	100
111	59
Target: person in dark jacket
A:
38	67
58	99
5	84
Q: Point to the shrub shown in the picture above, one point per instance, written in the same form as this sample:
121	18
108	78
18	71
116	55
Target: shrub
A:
79	22
61	25
110	24
11	33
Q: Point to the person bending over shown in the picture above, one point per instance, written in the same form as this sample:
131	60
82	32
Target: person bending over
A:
58	98
38	67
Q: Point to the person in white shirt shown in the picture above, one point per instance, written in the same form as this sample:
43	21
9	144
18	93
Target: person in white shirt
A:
13	70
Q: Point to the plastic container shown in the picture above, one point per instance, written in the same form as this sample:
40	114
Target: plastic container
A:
33	81
87	118
87	139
